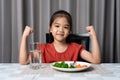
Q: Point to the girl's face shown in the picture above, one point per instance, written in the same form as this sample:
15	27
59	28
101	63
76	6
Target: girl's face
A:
60	29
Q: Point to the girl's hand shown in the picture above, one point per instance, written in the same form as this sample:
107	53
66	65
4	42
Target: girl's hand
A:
28	30
91	31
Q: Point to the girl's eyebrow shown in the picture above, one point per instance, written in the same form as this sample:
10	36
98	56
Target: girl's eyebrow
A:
65	24
56	23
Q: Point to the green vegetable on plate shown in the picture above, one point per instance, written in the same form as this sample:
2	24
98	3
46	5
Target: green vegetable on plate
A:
62	65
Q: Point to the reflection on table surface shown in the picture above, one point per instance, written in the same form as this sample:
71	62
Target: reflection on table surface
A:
15	71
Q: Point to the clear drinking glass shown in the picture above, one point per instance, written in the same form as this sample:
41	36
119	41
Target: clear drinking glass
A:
35	56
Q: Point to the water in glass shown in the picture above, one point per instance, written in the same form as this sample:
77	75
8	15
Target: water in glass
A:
35	57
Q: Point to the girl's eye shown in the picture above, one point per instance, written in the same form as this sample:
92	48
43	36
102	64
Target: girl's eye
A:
56	26
66	27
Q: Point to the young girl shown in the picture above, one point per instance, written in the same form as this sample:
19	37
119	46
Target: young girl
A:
59	50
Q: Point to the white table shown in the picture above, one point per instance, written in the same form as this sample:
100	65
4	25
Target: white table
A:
15	71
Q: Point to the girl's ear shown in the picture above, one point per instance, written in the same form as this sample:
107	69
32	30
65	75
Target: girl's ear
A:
49	29
70	32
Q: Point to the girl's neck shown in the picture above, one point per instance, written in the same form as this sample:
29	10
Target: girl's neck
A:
60	43
60	46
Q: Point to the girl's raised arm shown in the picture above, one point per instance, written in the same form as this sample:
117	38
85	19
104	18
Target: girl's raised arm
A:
94	55
23	55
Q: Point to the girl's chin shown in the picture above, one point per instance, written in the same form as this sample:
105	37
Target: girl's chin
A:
60	40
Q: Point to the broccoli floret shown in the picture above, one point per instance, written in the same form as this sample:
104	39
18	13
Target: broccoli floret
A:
57	64
71	66
63	65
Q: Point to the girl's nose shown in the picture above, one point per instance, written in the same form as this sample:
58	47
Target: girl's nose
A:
61	29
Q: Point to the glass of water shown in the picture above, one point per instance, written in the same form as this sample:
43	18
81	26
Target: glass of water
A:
35	56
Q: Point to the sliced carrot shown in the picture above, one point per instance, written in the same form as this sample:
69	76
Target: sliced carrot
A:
78	66
83	66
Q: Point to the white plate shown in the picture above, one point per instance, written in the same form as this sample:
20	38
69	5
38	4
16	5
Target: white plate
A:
72	69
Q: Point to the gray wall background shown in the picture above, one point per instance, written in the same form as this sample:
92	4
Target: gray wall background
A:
104	15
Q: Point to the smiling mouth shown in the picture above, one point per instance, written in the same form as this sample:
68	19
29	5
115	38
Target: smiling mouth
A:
60	34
